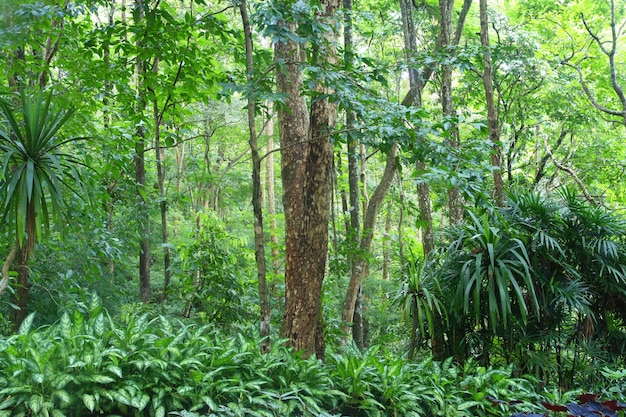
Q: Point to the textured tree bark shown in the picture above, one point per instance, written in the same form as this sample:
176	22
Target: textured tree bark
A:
4	282
301	298
259	238
492	116
20	298
307	161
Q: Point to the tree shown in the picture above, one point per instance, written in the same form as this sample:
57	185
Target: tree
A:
35	170
359	265
140	160
609	48
492	116
259	238
455	199
307	159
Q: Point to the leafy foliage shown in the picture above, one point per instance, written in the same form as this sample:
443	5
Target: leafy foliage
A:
214	269
35	164
90	363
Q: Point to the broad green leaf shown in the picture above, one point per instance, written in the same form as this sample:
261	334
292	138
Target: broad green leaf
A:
66	326
63	396
89	401
26	325
35	403
101	379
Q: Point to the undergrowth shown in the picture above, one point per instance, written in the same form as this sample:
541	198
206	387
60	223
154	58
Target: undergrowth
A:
89	365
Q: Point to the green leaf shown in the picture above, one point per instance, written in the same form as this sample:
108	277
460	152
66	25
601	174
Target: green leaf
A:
66	326
8	402
26	324
141	402
89	401
116	370
102	379
35	403
63	396
196	376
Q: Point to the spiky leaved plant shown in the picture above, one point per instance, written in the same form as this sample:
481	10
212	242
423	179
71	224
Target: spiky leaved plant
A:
35	170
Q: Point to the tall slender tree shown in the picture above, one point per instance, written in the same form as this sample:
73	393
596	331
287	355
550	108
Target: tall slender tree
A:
492	116
446	7
259	237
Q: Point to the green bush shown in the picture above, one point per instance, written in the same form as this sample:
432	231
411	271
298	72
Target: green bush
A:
89	364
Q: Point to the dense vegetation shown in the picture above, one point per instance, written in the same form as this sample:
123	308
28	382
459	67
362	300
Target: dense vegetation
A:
89	364
286	208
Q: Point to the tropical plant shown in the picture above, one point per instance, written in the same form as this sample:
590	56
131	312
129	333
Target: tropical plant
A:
419	301
576	252
486	282
214	267
35	171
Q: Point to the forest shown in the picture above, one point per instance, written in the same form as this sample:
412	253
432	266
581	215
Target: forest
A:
312	208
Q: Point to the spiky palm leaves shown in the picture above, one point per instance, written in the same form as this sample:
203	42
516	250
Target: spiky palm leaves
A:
35	166
35	170
545	270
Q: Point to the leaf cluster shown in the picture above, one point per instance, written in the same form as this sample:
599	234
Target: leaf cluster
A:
36	166
89	363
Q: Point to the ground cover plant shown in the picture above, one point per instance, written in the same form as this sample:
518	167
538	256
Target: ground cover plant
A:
92	364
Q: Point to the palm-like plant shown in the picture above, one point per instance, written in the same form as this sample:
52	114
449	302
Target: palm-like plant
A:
498	269
577	254
34	170
419	301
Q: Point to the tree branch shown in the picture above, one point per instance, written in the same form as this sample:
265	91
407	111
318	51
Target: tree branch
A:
590	96
4	282
572	173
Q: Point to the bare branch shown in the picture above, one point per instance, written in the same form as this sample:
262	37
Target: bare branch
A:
4	282
594	36
590	96
571	172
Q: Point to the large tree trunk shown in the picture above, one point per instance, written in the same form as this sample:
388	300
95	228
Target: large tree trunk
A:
307	156
492	116
301	297
259	238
